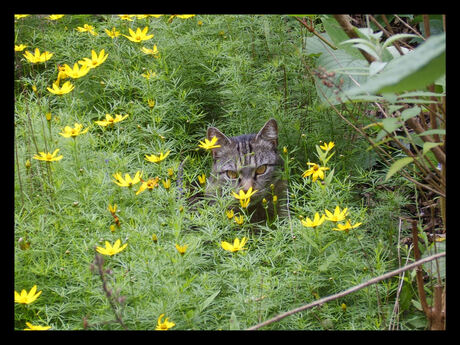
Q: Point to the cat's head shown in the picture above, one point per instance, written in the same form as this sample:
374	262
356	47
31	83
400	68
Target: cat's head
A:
249	160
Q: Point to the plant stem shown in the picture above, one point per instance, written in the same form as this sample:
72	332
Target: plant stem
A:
348	291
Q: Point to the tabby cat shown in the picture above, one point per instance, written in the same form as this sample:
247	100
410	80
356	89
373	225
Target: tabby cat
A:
250	160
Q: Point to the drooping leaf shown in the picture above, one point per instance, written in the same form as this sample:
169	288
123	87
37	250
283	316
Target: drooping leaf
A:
427	146
398	165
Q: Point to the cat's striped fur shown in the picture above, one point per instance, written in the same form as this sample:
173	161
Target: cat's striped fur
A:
250	160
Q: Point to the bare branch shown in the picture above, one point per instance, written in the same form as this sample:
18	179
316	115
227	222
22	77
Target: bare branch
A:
348	291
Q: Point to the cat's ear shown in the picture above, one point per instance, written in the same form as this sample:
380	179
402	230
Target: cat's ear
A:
222	139
269	132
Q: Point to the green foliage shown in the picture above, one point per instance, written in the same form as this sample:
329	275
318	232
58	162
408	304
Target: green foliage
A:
234	72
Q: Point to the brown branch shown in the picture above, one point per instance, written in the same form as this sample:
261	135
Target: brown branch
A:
349	29
348	291
311	29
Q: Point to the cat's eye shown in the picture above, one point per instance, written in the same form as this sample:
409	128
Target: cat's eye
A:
232	174
261	169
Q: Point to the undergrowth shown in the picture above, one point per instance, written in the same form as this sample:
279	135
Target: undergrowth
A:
233	72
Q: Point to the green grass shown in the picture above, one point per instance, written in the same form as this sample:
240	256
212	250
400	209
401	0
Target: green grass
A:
233	72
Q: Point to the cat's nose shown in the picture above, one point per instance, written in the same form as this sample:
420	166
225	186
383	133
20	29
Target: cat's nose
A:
246	184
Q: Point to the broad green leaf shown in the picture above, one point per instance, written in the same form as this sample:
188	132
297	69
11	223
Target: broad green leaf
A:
398	165
410	113
412	71
337	35
427	146
375	67
334	61
391	124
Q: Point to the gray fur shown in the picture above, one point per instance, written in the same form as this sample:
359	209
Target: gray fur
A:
244	154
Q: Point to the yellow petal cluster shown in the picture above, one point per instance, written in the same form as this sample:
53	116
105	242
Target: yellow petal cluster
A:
164	325
236	246
109	120
73	132
37	57
27	297
139	35
48	157
127	181
156	159
209	144
111	250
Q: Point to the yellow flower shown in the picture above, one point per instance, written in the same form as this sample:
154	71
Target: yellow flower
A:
96	59
346	227
157	159
27	297
127	181
182	16
245	202
112	33
76	71
165	325
207	145
236	246
54	16
37	56
19	48
202	179
109	250
65	88
316	171
166	183
149	184
19	16
149	74
317	220
73	132
87	28
109	120
139	35
337	216
154	238
49	157
113	208
327	147
181	249
154	51
36	328
238	219
244	195
126	17
229	214
151	103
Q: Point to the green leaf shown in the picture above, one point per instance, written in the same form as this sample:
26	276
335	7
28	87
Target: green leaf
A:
410	113
398	165
208	301
391	124
433	131
412	71
234	323
395	38
427	146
